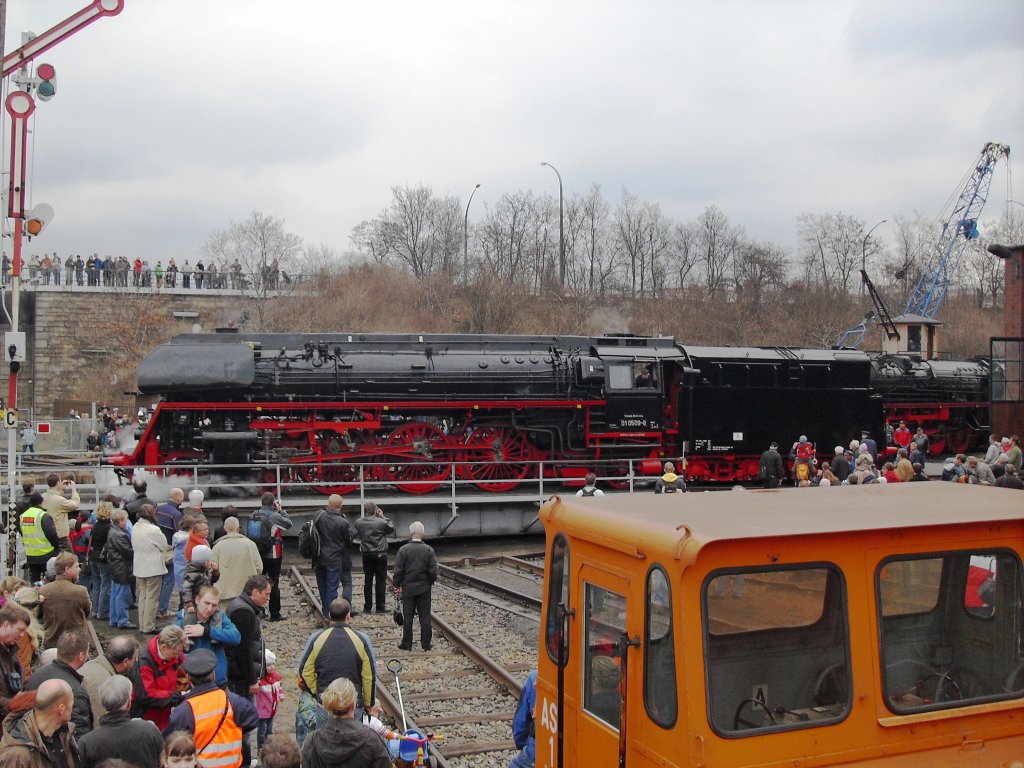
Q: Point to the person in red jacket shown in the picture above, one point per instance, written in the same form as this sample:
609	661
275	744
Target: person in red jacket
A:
156	676
198	536
901	436
802	454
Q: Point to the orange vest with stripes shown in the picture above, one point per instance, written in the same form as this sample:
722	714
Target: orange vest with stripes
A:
218	739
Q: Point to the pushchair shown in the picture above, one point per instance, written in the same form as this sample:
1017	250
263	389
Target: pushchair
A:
413	751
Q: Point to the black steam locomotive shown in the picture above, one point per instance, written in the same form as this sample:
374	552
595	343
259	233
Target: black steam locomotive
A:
416	410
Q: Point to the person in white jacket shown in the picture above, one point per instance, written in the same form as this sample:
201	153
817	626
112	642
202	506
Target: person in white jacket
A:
150	564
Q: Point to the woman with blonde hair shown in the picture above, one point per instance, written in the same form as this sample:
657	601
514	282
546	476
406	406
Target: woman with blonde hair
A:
343	741
99	589
9	586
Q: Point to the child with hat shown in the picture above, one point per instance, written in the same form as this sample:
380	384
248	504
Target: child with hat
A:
270	694
199	571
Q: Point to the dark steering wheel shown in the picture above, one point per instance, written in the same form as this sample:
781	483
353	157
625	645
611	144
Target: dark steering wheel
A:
738	719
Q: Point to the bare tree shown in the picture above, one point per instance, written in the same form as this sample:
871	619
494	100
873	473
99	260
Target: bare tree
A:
368	238
629	238
504	240
595	258
263	251
642	240
446	236
759	267
419	231
914	238
682	257
831	246
317	260
405	227
984	273
716	242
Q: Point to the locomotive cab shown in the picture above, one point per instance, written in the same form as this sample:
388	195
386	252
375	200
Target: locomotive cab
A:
780	628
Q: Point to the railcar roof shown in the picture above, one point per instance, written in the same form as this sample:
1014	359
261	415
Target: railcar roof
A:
775	353
659	522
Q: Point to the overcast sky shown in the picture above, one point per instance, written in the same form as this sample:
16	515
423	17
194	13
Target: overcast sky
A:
178	116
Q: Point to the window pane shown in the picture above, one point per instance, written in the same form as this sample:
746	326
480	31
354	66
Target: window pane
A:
605	624
756	598
909	586
950	629
776	649
558	593
620	376
659	652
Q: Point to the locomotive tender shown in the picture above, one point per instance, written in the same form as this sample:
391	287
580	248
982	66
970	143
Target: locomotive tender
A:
407	408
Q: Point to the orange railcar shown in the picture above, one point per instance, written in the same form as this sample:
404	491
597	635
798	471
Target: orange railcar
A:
874	626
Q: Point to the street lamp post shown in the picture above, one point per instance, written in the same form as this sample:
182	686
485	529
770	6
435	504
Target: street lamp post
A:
864	254
561	229
465	237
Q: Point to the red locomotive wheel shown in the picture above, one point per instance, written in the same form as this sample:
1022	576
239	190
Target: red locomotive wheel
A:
497	458
958	439
329	478
416	449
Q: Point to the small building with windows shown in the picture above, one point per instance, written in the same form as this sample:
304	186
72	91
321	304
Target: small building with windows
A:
917	336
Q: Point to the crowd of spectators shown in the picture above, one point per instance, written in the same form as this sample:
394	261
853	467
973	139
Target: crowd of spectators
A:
192	691
120	272
904	461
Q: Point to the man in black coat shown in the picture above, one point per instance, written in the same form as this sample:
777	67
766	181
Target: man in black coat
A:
72	653
415	573
120	564
770	468
373	529
245	660
133	506
118	735
334	564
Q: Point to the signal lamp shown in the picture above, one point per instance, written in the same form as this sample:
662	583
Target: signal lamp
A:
47	87
37	219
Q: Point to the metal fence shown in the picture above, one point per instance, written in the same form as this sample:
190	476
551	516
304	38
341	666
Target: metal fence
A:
242	485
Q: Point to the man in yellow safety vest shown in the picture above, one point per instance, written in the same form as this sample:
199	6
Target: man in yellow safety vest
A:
38	535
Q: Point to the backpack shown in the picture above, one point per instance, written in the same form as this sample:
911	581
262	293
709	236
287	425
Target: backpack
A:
259	530
588	491
309	538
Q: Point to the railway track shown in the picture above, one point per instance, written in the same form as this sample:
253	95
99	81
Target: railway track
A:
512	579
467	686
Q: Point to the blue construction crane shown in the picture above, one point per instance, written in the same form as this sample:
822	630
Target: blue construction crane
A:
959	228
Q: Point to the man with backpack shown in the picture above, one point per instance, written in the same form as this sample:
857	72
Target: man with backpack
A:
590	486
265	528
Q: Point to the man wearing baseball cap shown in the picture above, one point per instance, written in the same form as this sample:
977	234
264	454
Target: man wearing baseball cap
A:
215	718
